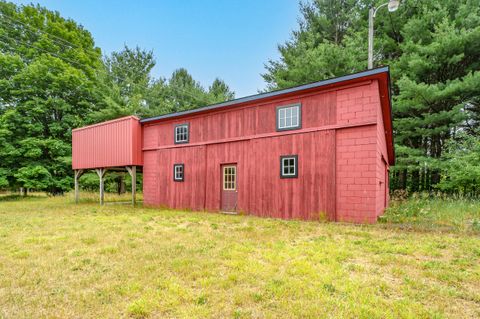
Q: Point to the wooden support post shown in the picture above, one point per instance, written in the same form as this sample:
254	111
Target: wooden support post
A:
78	174
132	170
101	175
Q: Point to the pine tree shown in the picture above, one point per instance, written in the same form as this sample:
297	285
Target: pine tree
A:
433	48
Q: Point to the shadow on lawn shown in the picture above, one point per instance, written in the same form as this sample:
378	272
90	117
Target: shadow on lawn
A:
18	197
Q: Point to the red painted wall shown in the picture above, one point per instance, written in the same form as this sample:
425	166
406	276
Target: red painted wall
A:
382	166
109	144
338	148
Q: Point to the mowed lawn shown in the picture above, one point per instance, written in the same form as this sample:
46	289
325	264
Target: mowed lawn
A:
61	260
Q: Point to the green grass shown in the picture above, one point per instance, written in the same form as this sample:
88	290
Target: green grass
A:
440	214
60	260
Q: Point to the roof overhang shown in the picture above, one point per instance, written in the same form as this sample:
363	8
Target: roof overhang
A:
382	74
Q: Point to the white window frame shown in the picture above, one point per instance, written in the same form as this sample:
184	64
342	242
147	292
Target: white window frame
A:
180	169
184	135
231	183
289	117
285	159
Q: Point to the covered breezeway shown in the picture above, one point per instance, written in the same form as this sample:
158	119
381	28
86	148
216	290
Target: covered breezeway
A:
101	172
112	146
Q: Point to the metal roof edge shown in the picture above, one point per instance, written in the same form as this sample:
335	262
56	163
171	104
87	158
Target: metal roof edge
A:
260	96
123	118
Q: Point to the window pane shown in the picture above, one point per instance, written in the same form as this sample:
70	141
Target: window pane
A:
289	166
288	122
229	178
289	117
178	172
181	133
294	121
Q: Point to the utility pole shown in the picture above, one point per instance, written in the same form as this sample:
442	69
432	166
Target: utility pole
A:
371	12
392	6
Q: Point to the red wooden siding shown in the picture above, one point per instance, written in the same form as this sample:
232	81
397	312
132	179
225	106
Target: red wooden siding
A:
256	152
317	110
311	195
191	192
261	191
108	144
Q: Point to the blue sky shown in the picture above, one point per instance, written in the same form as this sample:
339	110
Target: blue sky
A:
230	39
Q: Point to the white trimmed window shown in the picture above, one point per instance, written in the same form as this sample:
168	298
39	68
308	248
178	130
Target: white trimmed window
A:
181	133
178	172
289	166
289	117
229	178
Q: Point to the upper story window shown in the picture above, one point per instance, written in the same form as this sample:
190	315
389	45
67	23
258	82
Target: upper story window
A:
181	133
178	172
289	166
289	117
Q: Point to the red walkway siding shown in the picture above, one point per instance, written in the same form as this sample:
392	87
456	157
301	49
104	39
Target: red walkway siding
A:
109	144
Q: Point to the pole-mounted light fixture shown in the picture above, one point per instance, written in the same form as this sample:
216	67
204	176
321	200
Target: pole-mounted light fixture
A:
392	6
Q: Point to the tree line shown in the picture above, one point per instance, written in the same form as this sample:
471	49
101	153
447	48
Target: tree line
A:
433	49
54	78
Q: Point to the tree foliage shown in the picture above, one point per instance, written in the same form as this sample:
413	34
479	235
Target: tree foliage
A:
130	88
461	165
53	79
47	85
433	48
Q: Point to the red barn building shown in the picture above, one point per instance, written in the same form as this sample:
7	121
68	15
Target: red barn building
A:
320	150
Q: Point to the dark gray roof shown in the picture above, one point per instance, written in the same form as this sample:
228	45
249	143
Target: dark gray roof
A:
270	94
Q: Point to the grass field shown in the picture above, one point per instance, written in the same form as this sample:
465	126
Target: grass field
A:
60	260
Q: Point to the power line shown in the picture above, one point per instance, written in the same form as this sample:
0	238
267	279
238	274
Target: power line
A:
63	43
81	66
68	43
43	50
174	88
72	45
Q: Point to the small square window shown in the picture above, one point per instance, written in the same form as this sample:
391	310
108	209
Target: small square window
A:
181	133
289	166
289	117
178	172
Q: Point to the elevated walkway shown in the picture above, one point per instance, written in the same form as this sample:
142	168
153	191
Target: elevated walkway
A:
114	145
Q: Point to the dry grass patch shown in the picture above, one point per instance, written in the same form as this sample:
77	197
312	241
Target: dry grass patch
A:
60	260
